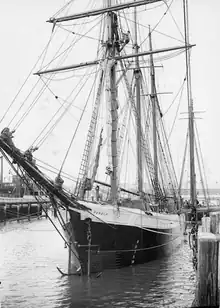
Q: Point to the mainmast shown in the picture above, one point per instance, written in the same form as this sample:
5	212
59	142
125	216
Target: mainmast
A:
111	47
154	116
137	74
190	110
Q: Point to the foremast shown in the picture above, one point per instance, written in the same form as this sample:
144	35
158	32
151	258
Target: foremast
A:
137	74
112	40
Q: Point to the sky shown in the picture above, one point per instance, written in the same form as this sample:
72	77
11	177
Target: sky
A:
24	33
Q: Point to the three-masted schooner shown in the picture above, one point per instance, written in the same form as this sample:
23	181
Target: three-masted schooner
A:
117	226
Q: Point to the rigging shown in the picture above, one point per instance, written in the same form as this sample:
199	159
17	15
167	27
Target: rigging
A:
79	122
159	21
176	114
43	139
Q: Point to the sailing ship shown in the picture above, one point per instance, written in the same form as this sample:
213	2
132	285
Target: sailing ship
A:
111	223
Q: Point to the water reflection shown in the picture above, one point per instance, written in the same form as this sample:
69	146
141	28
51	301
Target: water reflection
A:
30	253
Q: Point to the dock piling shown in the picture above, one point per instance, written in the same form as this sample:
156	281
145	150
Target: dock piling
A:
215	221
206	224
207	291
208	256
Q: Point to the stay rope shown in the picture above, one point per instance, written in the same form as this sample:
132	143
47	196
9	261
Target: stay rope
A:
25	81
42	140
202	160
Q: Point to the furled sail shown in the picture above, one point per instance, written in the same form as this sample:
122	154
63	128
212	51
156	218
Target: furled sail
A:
96	165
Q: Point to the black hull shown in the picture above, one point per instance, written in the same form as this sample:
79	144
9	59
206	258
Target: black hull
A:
115	246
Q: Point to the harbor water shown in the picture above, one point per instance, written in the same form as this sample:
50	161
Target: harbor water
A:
31	251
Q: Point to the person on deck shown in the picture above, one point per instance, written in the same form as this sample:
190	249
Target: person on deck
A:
97	193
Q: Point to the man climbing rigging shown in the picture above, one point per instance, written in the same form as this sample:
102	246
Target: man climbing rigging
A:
125	39
108	170
7	136
59	182
28	154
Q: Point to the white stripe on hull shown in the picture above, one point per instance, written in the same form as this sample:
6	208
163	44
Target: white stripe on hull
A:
131	217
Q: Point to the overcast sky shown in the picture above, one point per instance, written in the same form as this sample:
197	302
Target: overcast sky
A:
24	33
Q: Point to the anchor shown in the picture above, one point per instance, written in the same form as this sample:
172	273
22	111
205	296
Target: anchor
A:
77	273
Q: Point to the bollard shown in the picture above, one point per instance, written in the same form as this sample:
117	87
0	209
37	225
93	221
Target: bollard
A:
207	291
215	220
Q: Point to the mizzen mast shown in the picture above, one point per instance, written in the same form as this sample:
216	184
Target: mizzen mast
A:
190	110
137	74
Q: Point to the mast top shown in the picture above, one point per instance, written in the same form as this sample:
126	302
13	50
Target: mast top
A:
100	11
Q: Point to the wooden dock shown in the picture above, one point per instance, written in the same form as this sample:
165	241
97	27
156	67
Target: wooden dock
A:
16	209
